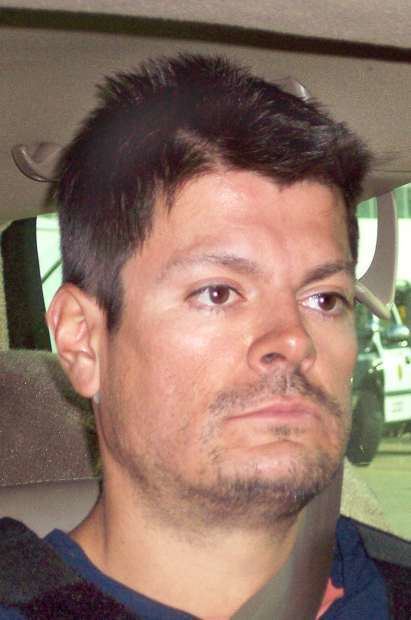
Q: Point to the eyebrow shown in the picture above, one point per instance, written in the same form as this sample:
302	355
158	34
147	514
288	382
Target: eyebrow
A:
234	262
329	269
249	267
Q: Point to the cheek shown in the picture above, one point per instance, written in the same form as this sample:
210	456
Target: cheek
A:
179	371
193	352
336	357
166	374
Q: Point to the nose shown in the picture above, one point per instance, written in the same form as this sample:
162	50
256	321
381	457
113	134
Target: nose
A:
282	342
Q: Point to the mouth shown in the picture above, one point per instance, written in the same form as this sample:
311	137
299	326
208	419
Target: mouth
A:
282	411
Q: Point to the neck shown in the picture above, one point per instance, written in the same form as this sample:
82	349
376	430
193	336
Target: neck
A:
208	572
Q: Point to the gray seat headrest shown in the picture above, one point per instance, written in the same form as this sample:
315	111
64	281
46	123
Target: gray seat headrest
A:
46	430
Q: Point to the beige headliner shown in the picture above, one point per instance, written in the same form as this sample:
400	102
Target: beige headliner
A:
51	62
380	22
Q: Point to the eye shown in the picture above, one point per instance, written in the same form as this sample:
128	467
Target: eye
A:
328	303
215	295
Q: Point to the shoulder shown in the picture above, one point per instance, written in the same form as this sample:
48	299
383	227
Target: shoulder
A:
379	545
29	567
13	557
391	556
6	613
384	546
10	528
36	581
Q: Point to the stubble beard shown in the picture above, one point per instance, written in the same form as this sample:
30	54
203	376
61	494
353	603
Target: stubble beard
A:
235	499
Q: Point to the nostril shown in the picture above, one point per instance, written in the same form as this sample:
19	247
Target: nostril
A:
269	358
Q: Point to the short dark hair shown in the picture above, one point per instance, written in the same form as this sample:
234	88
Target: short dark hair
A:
170	121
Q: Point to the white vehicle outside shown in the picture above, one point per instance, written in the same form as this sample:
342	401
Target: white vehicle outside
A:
382	383
391	341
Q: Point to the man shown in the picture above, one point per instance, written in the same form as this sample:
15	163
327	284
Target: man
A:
209	242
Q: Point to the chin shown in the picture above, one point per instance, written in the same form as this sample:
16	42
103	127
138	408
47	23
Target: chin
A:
285	460
261	492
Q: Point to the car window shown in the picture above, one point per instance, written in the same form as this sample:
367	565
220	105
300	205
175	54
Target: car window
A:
48	247
380	444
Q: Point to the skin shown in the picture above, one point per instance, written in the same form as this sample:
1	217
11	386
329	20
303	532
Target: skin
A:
240	301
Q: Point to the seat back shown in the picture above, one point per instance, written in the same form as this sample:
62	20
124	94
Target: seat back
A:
48	448
48	505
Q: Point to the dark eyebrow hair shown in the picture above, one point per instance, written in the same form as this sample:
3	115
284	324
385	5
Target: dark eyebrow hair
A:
237	263
247	266
329	269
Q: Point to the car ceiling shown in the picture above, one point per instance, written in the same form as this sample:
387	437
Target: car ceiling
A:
379	22
352	56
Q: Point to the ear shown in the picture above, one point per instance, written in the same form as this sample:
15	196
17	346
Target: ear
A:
79	327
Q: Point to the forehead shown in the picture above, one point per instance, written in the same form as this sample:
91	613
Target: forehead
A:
249	208
285	232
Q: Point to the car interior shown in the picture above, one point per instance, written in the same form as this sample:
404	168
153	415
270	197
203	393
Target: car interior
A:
354	57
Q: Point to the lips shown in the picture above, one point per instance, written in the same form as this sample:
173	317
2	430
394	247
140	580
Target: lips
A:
293	410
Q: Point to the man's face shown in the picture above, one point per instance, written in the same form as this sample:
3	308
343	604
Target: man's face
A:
226	390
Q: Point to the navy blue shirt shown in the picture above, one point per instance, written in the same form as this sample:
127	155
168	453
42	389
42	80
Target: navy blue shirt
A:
352	569
365	595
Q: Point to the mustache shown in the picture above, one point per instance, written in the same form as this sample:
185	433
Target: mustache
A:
276	384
